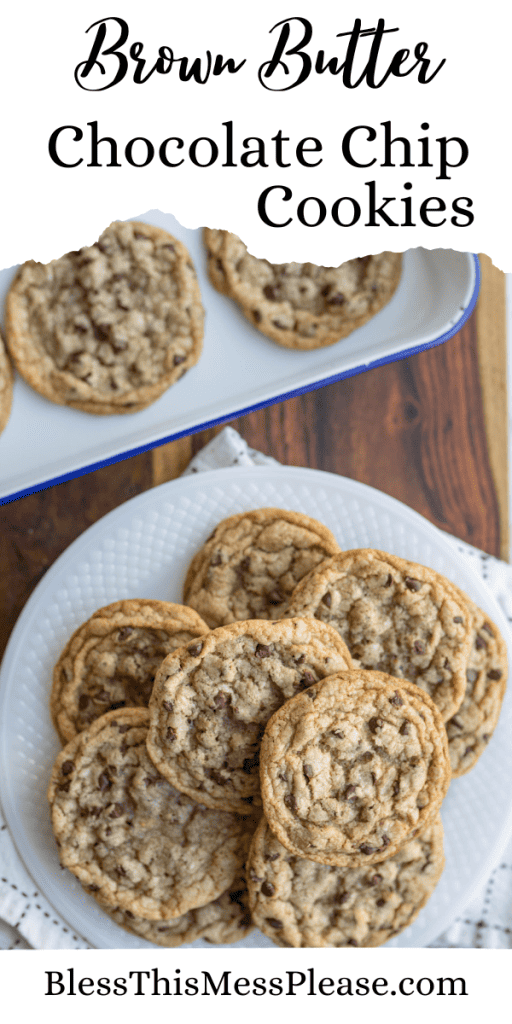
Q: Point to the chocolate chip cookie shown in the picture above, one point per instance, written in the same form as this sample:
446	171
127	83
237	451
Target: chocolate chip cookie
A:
297	902
352	766
6	385
128	835
395	616
252	562
470	730
109	328
225	920
212	700
300	305
111	660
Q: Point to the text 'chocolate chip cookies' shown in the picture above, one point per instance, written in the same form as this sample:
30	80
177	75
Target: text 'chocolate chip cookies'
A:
301	305
109	328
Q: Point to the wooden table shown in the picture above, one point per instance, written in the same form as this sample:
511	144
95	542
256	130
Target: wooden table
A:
430	430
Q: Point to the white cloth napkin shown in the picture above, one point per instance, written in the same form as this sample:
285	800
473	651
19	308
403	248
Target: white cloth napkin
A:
28	921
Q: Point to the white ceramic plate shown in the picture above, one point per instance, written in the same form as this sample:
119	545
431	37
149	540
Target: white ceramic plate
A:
143	549
239	370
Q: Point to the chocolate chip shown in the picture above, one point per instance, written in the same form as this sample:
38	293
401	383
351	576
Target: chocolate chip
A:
150	780
168	705
495	673
367	849
125	633
375	724
375	880
195	650
268	889
380	903
412	584
368	756
337	299
271	856
216	777
117	811
171	735
350	793
274	923
101	331
221	699
312	694
104	782
169	247
270	292
178	360
396	700
279	325
480	643
404	729
351	942
389	580
257	315
290	802
458	618
471	675
308	771
308	678
385	841
327	600
262	651
487	628
419	647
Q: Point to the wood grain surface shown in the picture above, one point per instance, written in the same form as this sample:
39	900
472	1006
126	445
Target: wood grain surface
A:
418	429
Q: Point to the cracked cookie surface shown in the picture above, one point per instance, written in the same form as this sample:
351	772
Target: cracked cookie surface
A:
111	660
395	616
301	305
252	562
297	902
352	766
128	835
225	920
109	328
212	701
471	728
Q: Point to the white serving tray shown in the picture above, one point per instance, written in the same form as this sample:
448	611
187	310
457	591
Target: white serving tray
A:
239	370
142	549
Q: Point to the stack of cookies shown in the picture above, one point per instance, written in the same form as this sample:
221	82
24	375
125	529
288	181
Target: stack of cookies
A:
306	713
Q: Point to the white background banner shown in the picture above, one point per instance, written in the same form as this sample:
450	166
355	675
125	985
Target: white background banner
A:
315	131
